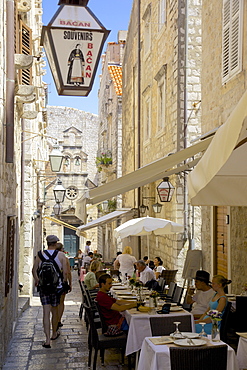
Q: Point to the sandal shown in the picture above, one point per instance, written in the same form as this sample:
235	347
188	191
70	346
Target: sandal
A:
58	334
46	345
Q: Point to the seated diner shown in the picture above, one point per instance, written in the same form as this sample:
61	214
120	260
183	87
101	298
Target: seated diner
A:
110	307
218	302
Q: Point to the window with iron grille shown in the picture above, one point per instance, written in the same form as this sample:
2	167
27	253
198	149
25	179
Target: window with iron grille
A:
9	270
232	38
25	47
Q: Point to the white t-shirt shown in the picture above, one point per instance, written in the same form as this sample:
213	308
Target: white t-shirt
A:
202	300
146	275
159	269
126	262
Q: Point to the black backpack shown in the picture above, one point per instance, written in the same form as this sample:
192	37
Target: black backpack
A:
49	273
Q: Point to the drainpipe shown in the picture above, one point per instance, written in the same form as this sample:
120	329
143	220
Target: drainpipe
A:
139	110
22	169
10	81
186	205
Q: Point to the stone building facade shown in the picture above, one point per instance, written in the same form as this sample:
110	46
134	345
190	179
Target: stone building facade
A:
110	135
76	133
161	111
22	151
223	84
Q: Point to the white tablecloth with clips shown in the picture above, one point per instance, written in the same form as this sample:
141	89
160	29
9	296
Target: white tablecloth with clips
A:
156	357
139	327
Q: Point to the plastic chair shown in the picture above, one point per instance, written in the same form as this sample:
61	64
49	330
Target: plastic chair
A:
101	342
199	358
163	325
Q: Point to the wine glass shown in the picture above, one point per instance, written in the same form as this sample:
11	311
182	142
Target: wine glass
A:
177	333
203	334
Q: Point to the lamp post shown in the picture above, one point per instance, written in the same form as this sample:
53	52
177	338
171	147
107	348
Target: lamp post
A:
59	191
56	159
165	190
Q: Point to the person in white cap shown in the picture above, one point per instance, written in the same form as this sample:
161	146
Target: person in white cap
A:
50	301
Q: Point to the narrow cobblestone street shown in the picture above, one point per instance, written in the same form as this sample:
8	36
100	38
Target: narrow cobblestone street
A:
69	351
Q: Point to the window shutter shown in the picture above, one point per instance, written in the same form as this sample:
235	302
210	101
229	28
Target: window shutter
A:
232	38
25	48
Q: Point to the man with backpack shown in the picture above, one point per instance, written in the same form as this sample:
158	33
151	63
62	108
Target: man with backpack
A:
49	280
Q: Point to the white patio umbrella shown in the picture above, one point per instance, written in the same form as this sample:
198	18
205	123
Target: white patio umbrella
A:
147	226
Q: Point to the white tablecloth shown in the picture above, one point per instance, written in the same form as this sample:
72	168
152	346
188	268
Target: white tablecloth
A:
242	353
139	327
156	357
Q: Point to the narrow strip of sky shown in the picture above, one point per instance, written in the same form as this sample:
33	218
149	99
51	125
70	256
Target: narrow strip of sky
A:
114	15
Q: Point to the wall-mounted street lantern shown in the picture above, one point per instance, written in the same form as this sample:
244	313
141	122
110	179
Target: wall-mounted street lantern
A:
165	190
143	208
73	42
157	207
57	209
104	205
56	159
59	191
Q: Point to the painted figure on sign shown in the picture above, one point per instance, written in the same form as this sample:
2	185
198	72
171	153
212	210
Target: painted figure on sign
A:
76	65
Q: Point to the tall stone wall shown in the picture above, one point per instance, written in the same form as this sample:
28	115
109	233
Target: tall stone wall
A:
167	57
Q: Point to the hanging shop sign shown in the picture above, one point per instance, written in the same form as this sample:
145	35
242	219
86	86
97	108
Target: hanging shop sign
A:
73	42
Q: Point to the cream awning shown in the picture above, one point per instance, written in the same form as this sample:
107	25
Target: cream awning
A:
152	172
59	222
220	177
102	220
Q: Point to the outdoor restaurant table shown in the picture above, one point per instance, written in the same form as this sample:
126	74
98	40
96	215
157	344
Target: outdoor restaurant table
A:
156	357
139	327
242	352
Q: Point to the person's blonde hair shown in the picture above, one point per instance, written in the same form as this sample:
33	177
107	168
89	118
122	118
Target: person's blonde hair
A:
94	266
127	250
222	280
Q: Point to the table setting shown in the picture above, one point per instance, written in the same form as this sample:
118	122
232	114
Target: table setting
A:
155	354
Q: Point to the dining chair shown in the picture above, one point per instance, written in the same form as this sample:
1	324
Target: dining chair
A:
86	299
161	283
102	319
186	306
199	358
170	292
224	325
164	325
99	342
115	273
241	309
177	295
169	276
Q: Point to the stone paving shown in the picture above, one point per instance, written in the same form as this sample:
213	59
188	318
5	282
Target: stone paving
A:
69	351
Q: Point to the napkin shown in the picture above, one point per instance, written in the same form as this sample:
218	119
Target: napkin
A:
161	340
244	335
